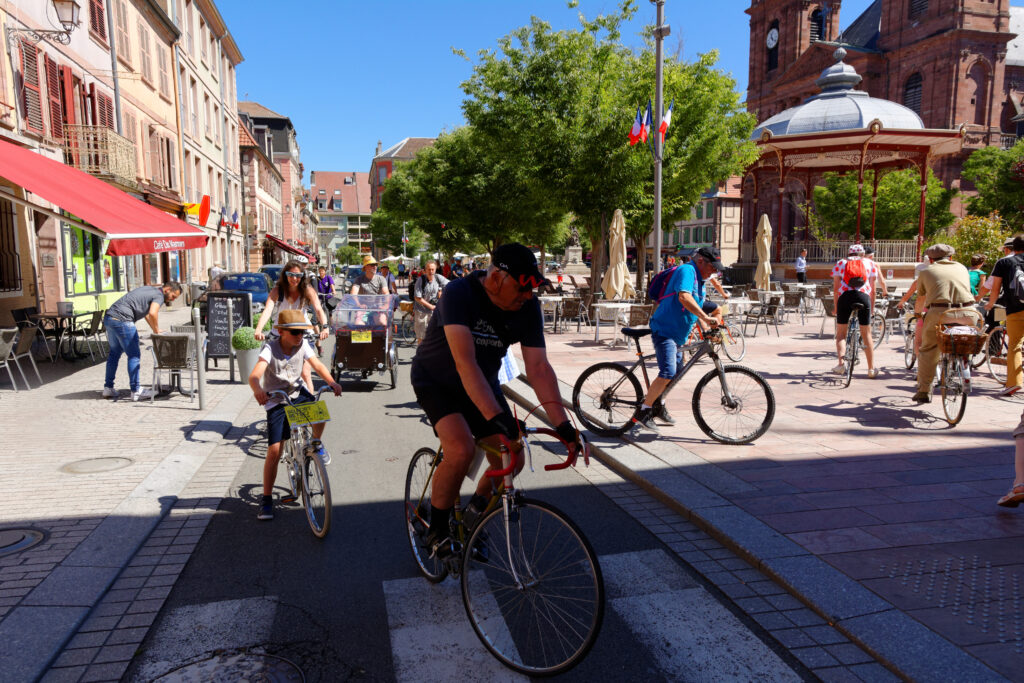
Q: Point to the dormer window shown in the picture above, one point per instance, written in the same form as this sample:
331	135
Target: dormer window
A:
917	9
912	93
817	26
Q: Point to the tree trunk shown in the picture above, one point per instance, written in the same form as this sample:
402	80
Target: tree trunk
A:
543	258
641	263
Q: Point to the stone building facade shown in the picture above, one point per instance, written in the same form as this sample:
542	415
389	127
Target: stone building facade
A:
261	196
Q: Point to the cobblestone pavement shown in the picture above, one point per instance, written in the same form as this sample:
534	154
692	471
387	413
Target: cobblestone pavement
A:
868	507
95	477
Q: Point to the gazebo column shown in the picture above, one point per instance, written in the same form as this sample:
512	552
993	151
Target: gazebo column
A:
874	203
920	219
860	197
778	226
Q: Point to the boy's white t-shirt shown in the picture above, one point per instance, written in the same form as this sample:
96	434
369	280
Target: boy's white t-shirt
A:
284	372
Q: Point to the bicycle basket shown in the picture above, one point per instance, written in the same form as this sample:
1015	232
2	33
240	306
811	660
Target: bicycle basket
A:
961	340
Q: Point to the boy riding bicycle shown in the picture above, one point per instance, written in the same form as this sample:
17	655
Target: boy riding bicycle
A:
455	374
280	367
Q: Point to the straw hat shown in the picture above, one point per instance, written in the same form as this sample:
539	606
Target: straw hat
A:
368	260
293	320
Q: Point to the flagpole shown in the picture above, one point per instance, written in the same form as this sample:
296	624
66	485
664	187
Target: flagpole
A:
660	31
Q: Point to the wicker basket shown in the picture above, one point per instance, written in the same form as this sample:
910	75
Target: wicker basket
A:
405	306
961	344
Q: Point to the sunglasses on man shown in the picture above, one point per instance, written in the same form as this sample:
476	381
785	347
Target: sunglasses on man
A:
295	333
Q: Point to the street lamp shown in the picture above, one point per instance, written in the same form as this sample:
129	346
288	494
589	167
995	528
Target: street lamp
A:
67	15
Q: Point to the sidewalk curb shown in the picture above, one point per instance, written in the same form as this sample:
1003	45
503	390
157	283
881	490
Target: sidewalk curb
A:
896	640
35	633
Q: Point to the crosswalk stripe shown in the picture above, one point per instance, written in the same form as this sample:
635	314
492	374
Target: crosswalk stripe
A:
685	630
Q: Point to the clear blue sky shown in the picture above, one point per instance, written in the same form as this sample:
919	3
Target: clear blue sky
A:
350	73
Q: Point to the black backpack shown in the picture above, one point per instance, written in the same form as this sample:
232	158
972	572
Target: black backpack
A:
412	287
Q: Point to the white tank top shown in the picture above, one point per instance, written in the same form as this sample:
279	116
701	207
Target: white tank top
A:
299	304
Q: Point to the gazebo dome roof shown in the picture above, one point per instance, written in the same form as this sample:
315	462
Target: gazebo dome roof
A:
839	107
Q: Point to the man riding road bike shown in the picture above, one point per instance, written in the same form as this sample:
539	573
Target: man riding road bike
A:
455	375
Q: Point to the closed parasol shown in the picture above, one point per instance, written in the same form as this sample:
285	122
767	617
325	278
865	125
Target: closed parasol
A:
763	274
616	283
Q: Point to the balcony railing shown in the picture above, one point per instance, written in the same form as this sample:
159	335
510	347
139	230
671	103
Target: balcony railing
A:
101	152
1007	141
886	251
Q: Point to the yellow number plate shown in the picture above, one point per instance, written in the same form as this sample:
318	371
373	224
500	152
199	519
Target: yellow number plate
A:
307	413
364	337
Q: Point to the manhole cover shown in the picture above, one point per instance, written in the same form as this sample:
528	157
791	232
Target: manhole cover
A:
238	666
93	465
16	540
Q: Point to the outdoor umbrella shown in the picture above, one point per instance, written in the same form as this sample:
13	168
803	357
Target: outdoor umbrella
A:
616	283
763	274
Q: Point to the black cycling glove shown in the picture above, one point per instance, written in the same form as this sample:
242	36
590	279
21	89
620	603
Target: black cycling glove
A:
506	425
567	432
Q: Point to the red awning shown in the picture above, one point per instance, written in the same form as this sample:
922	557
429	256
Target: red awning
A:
131	225
287	247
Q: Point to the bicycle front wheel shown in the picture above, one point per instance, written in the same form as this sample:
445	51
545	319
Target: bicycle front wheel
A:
909	355
878	329
998	352
288	457
417	513
606	397
316	495
533	589
733	344
954	389
739	415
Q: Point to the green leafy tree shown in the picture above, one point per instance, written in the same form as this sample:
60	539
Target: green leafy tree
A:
996	175
346	255
979	235
898	206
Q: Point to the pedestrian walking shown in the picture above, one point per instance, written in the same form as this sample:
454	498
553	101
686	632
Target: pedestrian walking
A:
853	279
215	270
1005	271
945	287
801	267
976	272
123	336
426	293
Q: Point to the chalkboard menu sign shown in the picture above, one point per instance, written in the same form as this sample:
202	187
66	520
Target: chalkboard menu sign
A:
217	329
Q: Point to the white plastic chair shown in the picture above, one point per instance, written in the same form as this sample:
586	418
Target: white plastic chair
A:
23	349
8	337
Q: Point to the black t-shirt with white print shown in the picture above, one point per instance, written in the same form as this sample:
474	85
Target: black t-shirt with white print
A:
466	303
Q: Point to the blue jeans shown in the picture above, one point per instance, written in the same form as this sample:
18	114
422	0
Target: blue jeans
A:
668	354
123	338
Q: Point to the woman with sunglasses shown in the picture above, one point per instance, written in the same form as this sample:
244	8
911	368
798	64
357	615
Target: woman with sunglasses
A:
293	293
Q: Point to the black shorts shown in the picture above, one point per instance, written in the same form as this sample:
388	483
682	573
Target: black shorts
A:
801	278
709	306
278	428
844	307
439	402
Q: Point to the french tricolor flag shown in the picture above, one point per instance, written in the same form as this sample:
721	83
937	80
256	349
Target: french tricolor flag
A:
666	120
647	123
637	129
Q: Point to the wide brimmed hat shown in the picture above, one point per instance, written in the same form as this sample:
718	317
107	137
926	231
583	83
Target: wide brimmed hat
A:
368	260
293	320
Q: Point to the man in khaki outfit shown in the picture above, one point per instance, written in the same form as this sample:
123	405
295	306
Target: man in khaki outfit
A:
945	288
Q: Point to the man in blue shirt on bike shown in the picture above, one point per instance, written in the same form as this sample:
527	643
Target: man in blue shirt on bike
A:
680	307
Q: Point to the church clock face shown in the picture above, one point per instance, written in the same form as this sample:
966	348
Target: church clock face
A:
772	39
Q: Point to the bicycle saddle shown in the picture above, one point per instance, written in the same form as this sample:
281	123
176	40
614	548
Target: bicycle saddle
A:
636	332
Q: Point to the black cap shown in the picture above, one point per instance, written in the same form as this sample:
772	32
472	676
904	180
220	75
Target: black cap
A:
518	261
712	255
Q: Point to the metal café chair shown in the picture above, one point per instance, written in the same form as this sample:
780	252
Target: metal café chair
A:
826	304
170	355
23	349
8	337
90	332
23	319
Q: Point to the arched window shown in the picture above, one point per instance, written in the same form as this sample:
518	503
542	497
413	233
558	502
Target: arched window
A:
917	8
817	27
977	85
912	93
772	45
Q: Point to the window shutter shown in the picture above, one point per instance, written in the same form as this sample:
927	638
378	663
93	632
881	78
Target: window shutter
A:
53	98
172	167
123	44
32	99
105	111
917	8
97	20
68	80
912	93
154	156
162	65
144	56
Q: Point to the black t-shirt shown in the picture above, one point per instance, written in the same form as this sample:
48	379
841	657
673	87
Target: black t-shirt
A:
466	303
1006	268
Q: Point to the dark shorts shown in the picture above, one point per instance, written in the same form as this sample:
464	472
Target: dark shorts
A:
801	278
278	428
709	306
439	402
844	307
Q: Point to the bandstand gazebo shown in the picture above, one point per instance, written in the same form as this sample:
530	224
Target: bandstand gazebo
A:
845	131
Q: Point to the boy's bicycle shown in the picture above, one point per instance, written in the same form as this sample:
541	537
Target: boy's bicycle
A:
731	403
307	474
531	583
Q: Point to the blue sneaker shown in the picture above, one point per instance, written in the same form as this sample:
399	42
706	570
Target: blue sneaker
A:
266	509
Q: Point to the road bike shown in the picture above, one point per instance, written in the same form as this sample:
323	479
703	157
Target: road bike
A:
731	403
879	328
853	340
531	582
957	346
307	472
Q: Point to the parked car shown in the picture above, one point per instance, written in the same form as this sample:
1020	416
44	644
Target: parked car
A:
349	275
257	284
273	270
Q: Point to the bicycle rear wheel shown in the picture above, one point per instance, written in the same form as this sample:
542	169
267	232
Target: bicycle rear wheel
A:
288	457
741	420
878	329
316	495
852	350
417	513
606	397
954	389
998	352
909	355
733	344
547	622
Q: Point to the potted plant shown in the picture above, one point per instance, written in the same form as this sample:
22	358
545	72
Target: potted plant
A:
247	350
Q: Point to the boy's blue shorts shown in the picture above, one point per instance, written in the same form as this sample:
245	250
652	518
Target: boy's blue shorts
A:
278	428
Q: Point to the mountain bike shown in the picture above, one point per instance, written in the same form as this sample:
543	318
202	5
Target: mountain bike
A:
733	344
531	583
957	347
731	403
307	473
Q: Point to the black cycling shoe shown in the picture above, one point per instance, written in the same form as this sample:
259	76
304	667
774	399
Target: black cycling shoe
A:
661	413
645	420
